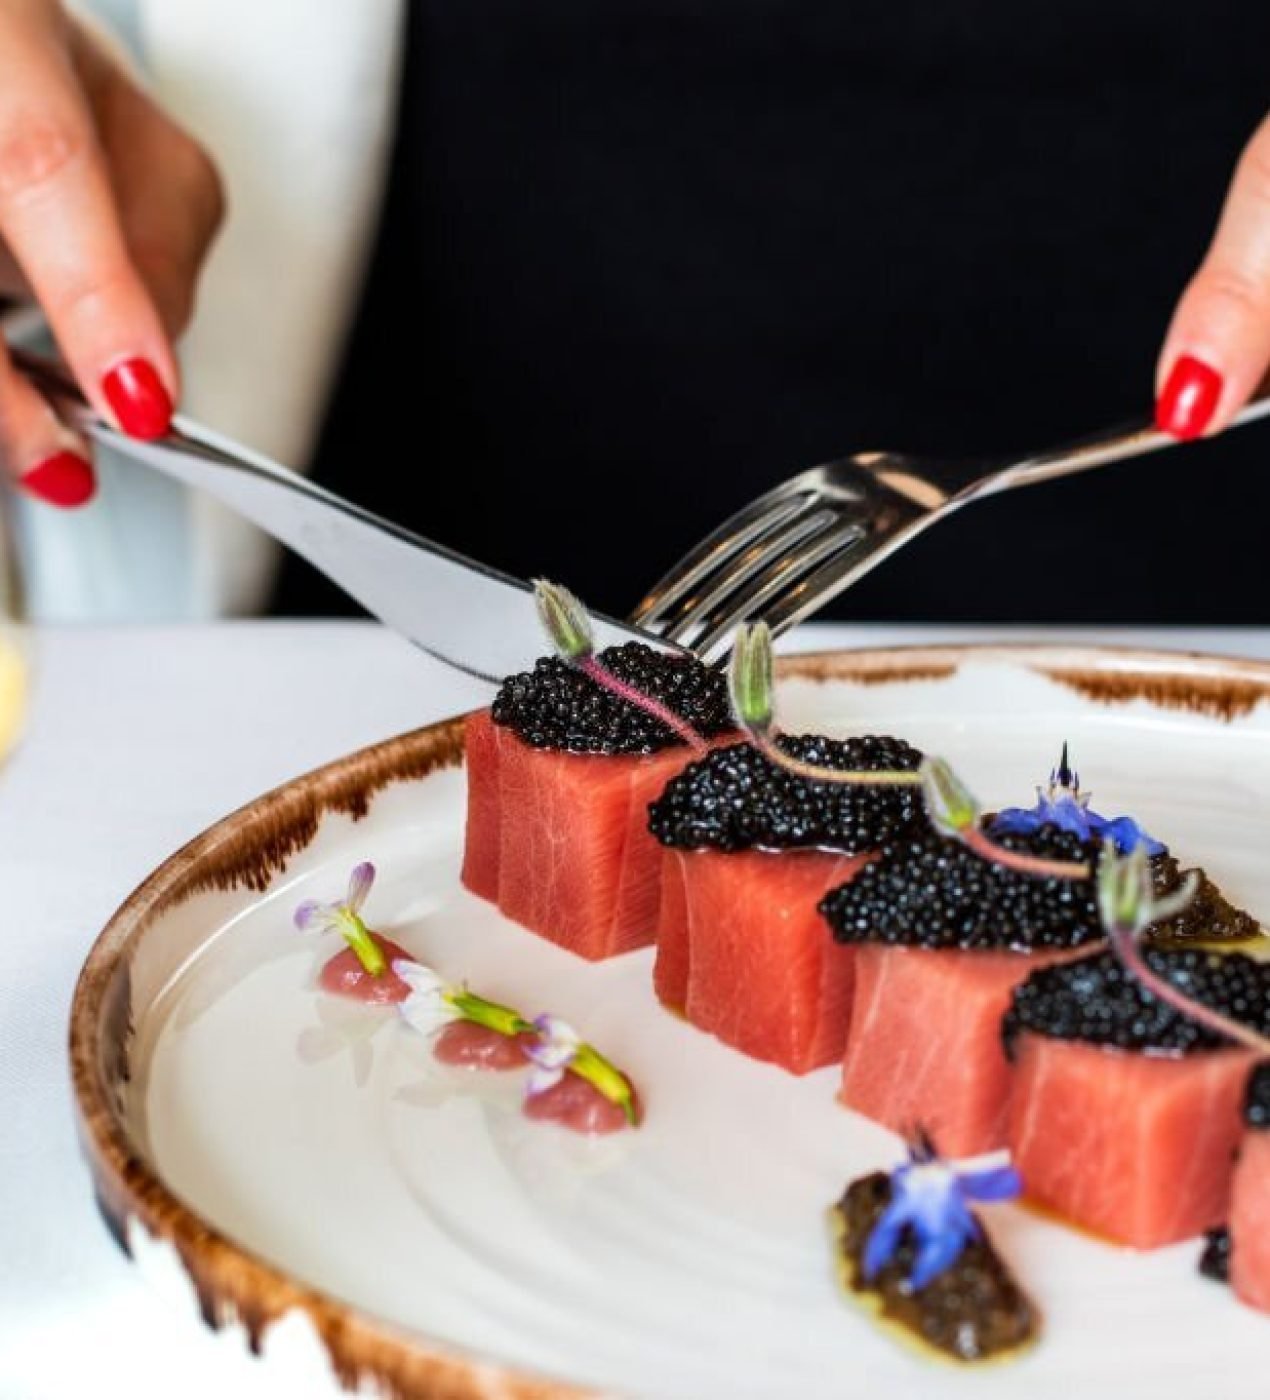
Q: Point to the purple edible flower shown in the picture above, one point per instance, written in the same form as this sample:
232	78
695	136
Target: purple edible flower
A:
1062	804
315	915
344	917
552	1053
930	1197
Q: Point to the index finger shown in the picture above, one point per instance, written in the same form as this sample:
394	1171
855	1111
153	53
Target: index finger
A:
58	216
1218	345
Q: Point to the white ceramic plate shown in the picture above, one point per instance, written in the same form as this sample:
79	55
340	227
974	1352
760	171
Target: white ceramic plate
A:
307	1159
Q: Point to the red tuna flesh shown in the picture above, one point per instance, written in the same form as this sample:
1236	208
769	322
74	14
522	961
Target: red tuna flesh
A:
924	1048
1138	1148
1250	1221
744	954
559	841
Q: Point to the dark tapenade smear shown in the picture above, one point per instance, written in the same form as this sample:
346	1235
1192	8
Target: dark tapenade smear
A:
1257	1099
1214	1262
556	706
1095	1000
735	799
973	1311
1209	918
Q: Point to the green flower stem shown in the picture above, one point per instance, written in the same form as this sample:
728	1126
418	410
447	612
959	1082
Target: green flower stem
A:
503	1019
360	940
602	676
983	845
606	1078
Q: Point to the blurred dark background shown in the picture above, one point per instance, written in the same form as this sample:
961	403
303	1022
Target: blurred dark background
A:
639	261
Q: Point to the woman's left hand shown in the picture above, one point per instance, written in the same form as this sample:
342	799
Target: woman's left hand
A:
1217	349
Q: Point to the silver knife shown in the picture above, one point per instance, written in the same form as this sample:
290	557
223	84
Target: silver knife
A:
470	616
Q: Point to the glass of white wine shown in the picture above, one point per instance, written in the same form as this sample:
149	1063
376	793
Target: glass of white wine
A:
14	641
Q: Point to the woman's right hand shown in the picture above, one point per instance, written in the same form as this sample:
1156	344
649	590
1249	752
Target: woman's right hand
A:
107	211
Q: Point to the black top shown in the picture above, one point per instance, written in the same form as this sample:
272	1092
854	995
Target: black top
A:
1096	1000
736	799
641	261
556	706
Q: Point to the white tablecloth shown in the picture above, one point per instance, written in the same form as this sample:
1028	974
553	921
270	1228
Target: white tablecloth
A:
140	738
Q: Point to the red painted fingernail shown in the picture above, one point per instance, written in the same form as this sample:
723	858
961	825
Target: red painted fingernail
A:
61	480
1186	406
135	392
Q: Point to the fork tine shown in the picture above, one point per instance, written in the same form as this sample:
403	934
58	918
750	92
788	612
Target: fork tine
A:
750	602
773	545
768	512
833	577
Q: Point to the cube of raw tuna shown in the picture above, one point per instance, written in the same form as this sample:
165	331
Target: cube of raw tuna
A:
924	1046
1125	1114
1135	1147
559	841
1250	1198
743	953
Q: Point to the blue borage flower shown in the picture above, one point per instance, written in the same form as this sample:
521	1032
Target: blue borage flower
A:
1062	804
344	917
931	1198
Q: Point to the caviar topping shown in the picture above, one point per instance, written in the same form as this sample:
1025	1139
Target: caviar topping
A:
935	892
1257	1099
558	706
1097	1001
1214	1262
736	799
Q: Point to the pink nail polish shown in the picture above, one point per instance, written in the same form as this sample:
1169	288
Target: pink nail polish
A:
135	392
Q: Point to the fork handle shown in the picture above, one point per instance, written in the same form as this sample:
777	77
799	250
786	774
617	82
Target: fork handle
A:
1110	445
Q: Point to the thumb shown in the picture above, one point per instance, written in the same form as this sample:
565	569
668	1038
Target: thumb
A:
1218	345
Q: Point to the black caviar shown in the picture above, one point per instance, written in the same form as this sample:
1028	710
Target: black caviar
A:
1257	1099
734	798
556	706
1098	1001
1214	1262
935	892
973	1311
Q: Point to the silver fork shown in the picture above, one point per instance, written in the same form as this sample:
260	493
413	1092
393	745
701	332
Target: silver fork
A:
792	549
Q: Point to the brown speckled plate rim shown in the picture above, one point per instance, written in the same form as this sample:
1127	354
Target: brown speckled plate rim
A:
250	846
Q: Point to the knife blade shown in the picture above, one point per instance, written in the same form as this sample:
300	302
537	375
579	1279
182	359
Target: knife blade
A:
472	617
